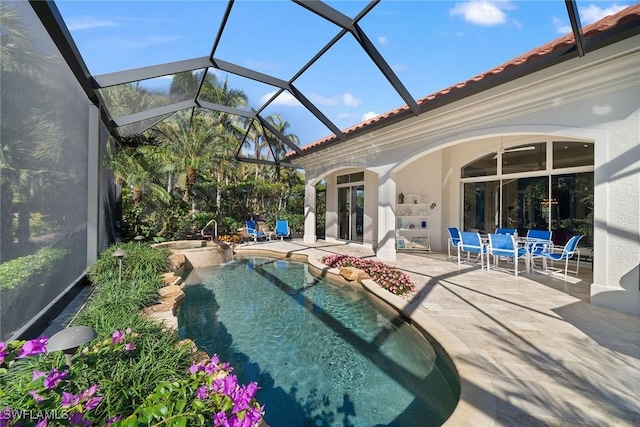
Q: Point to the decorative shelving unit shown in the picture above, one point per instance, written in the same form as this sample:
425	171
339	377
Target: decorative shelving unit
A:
412	227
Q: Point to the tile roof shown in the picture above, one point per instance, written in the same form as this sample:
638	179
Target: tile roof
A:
558	46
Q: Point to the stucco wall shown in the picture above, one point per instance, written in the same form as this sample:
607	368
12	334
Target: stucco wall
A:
594	98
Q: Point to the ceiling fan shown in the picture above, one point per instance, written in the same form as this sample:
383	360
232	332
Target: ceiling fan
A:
503	150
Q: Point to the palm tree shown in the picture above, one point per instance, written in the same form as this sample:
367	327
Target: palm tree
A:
188	144
183	85
132	167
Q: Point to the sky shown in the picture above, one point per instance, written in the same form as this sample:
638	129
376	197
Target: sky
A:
430	45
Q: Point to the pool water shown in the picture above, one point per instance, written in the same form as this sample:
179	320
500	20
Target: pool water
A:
323	354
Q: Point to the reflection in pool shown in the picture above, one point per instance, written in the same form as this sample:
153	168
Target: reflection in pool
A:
324	354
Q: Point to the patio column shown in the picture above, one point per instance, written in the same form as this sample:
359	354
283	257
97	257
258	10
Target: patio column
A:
386	217
310	213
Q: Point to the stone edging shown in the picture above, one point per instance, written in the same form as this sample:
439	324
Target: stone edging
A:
171	295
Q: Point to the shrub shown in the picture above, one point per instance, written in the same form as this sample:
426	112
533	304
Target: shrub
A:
386	276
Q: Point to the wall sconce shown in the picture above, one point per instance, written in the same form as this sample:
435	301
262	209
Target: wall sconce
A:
139	238
119	253
69	339
433	205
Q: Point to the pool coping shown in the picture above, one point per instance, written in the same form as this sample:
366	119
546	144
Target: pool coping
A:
477	404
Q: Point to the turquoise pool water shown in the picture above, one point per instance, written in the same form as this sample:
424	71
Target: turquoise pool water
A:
324	354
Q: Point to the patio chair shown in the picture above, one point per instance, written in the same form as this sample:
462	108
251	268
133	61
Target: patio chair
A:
454	239
566	253
472	242
537	242
282	229
511	231
254	232
504	245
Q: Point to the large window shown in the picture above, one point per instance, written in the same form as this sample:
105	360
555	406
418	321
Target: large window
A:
518	188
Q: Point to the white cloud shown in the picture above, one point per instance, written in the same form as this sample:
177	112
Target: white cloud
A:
350	101
346	99
369	115
351	117
561	27
383	40
87	23
285	98
482	12
588	15
593	13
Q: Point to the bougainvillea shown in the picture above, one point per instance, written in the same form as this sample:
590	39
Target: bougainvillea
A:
386	276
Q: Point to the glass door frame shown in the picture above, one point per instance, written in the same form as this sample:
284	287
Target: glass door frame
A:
350	217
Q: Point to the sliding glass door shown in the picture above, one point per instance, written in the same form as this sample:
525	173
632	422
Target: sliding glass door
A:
351	213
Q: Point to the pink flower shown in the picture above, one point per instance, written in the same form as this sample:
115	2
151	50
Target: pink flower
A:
117	337
3	351
35	396
112	420
32	347
77	419
129	346
38	374
202	393
54	377
68	399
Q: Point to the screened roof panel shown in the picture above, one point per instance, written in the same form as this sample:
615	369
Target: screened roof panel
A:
143	95
441	43
399	51
279	45
348	99
300	120
121	35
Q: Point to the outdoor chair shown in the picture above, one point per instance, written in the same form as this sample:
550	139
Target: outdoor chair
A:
282	229
559	254
504	245
454	239
471	242
254	232
538	241
511	231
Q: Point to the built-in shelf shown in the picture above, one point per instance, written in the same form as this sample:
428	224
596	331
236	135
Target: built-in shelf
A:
412	227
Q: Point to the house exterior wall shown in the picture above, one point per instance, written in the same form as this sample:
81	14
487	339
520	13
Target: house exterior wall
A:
592	99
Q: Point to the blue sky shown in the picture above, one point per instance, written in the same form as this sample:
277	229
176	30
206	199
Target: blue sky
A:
430	45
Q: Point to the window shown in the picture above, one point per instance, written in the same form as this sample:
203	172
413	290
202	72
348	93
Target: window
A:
570	154
560	202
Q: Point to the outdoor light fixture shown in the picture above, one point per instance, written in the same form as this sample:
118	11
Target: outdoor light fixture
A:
139	238
69	339
120	253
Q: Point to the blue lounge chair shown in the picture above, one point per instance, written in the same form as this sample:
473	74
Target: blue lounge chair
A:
454	239
566	253
253	231
472	242
504	245
282	229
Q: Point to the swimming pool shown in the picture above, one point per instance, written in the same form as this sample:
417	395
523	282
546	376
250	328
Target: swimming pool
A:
324	354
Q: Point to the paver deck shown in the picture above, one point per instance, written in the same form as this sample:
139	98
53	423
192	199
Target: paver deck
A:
530	350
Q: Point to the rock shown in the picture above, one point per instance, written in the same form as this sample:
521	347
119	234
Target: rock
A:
352	273
177	261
